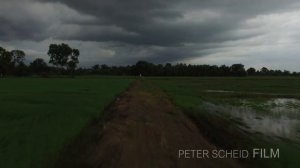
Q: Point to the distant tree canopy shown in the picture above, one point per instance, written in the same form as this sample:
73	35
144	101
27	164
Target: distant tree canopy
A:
18	57
65	61
144	68
264	70
238	70
12	62
63	56
251	71
149	69
39	66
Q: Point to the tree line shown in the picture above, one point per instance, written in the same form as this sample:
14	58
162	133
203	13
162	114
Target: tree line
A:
63	58
64	61
145	68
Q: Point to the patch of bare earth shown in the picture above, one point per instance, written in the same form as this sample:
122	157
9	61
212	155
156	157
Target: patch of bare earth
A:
145	130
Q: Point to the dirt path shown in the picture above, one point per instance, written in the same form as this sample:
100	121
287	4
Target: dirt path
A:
145	131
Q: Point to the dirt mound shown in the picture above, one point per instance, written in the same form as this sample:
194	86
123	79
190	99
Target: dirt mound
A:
145	130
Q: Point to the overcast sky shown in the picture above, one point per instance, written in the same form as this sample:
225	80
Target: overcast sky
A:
256	33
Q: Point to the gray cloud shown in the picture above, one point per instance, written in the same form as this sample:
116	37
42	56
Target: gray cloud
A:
166	22
124	31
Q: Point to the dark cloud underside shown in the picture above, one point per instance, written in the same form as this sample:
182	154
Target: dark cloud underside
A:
155	30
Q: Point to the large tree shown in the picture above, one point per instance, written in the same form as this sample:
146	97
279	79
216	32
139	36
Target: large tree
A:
143	68
9	60
238	70
63	56
264	71
38	66
5	60
18	57
73	61
2	50
251	71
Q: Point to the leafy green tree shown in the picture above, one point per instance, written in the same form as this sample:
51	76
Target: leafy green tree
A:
17	63
72	63
63	56
251	71
286	72
105	69
21	69
238	70
143	68
10	60
18	57
39	66
1	50
224	70
168	68
5	60
96	69
264	71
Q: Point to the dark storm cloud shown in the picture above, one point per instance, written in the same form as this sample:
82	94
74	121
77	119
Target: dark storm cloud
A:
151	22
22	29
155	22
124	31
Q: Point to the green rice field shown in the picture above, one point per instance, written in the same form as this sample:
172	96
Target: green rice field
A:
38	116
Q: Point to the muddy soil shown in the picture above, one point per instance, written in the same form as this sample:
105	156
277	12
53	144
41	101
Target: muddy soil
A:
144	130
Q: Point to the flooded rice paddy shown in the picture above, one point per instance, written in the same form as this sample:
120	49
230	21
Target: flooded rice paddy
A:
278	117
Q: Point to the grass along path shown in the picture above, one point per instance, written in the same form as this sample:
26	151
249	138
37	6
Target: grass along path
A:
145	130
38	116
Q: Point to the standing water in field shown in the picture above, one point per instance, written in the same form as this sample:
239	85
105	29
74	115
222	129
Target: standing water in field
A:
276	117
283	106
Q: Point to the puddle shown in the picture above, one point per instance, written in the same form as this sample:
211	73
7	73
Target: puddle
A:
284	101
282	125
220	91
284	106
242	92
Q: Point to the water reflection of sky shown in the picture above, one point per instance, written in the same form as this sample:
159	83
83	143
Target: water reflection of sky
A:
285	123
